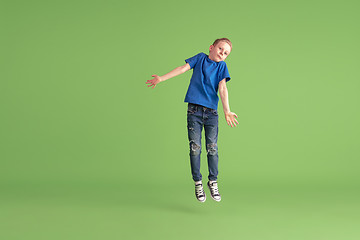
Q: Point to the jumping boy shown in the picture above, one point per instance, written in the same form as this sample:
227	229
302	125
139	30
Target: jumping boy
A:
209	76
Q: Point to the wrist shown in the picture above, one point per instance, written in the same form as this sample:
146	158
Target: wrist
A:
226	111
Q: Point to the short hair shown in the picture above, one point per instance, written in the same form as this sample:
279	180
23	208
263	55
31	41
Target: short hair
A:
223	40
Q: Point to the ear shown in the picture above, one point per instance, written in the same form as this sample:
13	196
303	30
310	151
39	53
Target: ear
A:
211	47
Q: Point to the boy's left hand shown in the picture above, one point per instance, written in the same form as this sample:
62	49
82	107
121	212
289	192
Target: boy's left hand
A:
231	119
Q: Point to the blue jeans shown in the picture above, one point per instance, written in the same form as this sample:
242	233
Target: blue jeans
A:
199	117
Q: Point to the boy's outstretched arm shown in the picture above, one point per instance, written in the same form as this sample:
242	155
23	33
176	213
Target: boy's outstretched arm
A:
224	95
177	71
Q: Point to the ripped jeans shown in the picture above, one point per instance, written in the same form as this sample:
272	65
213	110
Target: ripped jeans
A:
199	117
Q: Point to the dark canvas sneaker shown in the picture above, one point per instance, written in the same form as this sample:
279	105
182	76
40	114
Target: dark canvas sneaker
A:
214	190
199	192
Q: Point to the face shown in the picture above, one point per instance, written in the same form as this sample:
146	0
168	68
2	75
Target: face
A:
220	51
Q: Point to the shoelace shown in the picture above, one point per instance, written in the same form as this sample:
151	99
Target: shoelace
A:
199	190
214	189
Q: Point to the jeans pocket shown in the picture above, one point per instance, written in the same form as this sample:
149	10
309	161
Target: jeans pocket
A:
191	109
215	112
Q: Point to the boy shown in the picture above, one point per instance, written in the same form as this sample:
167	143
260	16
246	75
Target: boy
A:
210	75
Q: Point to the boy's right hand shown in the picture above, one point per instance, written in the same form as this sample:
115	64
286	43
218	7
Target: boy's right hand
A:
156	79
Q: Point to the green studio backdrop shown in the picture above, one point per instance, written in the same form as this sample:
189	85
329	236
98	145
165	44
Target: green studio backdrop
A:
88	151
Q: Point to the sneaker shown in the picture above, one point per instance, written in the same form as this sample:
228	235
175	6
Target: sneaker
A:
214	190
199	192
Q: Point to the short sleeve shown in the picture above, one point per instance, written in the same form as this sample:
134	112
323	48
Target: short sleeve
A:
193	60
224	72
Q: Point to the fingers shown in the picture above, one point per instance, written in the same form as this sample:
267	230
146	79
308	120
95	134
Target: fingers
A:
231	120
231	123
236	121
152	83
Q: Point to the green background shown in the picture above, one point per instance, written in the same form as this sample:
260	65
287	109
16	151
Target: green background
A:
89	152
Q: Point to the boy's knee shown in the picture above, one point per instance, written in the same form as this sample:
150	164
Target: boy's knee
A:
212	149
194	148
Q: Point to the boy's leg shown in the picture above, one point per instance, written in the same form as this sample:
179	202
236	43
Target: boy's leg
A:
211	136
194	126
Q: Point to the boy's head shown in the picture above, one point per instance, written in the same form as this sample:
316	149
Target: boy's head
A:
220	49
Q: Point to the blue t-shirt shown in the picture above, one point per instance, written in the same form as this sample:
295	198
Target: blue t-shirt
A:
205	80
